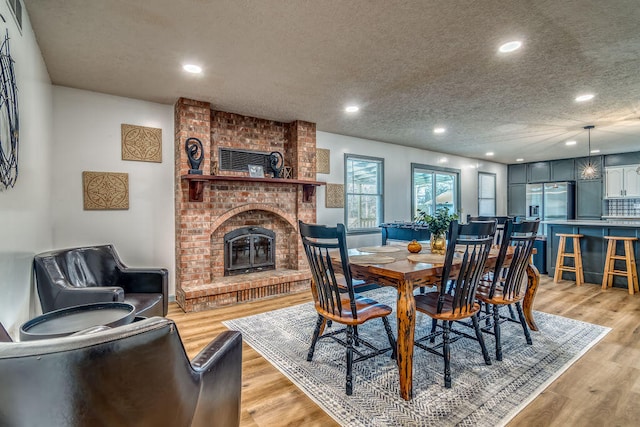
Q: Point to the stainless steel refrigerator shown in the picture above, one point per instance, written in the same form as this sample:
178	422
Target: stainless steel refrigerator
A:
551	201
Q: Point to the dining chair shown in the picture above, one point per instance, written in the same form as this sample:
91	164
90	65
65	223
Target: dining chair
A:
501	220
464	265
509	280
332	304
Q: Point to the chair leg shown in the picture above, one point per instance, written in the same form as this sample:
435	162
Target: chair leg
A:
446	351
356	341
487	318
496	331
349	384
476	326
434	324
392	340
523	322
511	313
314	340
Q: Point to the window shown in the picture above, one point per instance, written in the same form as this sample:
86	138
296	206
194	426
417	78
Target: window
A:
363	193
433	188
486	194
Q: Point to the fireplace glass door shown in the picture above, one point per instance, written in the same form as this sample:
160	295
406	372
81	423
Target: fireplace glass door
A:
249	249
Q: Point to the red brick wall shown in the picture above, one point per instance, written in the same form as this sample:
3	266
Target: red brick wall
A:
200	226
192	218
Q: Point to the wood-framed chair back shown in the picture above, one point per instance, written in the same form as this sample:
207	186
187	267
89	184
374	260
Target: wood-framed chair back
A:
471	243
512	277
501	221
318	241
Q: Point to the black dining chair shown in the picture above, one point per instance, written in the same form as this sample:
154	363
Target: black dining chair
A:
508	282
501	220
334	304
467	253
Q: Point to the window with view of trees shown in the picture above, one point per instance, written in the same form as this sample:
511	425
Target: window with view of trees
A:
363	192
486	194
433	188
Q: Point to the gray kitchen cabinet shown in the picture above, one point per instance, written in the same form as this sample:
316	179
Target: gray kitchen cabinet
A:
563	170
517	174
517	200
589	199
538	172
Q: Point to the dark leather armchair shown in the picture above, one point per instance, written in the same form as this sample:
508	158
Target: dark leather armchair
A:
133	375
69	277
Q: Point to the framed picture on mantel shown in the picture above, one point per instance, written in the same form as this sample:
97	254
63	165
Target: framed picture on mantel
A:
256	171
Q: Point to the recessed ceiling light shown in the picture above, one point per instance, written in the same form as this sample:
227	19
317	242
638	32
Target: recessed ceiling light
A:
510	46
519	160
570	143
595	151
585	97
443	160
191	68
489	153
352	109
439	130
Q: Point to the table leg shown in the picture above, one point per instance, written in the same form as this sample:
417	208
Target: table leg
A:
406	312
533	279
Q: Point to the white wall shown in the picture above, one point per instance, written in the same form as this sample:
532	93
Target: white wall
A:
25	214
397	179
86	132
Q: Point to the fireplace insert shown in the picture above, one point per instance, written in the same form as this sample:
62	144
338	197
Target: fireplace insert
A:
249	249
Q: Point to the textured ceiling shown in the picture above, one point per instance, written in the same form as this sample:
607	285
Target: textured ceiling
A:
410	65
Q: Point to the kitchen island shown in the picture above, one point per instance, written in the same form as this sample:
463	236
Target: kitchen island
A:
593	245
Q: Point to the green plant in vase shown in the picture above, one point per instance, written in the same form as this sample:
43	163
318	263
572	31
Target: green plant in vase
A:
438	226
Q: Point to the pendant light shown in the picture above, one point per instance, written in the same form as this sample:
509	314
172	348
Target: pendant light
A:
590	169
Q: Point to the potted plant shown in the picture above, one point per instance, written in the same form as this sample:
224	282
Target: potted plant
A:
438	226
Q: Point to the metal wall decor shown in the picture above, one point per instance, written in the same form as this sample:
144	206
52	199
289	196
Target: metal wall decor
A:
195	154
141	143
276	161
9	123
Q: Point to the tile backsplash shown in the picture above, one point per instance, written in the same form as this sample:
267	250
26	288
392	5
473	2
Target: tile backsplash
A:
623	207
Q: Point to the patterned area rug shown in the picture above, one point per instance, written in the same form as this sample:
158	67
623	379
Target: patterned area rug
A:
481	395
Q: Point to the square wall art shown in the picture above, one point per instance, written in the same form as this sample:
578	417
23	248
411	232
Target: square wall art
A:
141	143
105	190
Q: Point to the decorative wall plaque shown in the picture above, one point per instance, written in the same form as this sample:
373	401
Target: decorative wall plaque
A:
105	190
141	143
322	160
334	196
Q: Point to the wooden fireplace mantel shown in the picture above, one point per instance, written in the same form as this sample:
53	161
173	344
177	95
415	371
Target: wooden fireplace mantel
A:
196	184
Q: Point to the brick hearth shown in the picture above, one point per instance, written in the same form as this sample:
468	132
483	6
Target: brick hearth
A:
227	205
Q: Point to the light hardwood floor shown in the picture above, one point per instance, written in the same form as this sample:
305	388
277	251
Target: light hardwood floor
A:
600	389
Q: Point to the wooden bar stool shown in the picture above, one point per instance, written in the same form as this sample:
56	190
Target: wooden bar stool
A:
630	273
576	255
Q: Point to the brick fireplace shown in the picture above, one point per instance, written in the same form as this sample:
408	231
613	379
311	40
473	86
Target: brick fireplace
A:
231	200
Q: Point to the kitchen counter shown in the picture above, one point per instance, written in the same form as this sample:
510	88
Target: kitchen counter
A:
592	245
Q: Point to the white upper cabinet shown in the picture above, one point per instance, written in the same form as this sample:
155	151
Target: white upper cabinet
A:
623	181
632	181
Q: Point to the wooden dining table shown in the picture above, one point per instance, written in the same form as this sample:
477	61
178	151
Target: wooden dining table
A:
406	275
